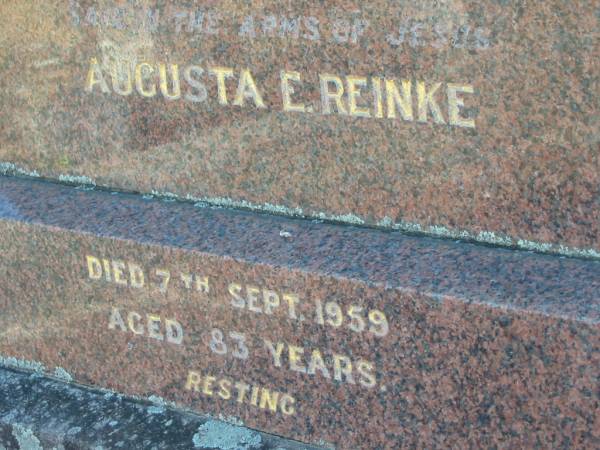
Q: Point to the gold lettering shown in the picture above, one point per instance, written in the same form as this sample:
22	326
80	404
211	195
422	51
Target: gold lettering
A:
200	94
269	399
193	381
377	97
174	331
133	320
254	396
95	77
342	366
292	300
165	277
341	95
327	96
202	285
94	267
139	80
225	389
287	405
127	89
394	99
295	355
275	352
354	85
366	377
271	300
247	89
106	265
154	327
136	275
164	84
242	388
187	280
222	73
455	103
253	293
236	301
426	102
116	320
207	386
118	268
317	363
287	91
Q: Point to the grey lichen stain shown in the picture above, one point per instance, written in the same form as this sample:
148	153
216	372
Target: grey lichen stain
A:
223	436
327	445
76	180
231	420
7	168
35	367
22	364
73	431
156	410
160	402
62	374
26	438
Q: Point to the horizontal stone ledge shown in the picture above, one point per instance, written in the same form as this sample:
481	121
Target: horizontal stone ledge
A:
326	334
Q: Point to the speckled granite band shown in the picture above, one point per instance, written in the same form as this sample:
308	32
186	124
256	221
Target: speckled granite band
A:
494	135
486	347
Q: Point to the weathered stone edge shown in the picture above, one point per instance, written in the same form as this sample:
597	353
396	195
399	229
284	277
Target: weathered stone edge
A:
39	412
435	231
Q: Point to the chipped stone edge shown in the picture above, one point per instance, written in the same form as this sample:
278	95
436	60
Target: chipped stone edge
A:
36	368
436	231
22	364
157	404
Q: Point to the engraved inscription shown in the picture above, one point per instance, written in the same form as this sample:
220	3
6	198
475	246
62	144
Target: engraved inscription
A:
255	302
408	100
153	326
238	391
332	26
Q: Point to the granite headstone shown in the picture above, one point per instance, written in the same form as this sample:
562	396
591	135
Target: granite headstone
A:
138	263
462	119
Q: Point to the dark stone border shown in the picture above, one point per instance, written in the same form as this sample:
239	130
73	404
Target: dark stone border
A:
39	413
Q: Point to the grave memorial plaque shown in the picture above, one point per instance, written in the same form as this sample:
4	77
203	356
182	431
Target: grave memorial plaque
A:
327	334
469	120
461	119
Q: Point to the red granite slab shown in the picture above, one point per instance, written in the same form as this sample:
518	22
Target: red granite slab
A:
517	164
484	347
